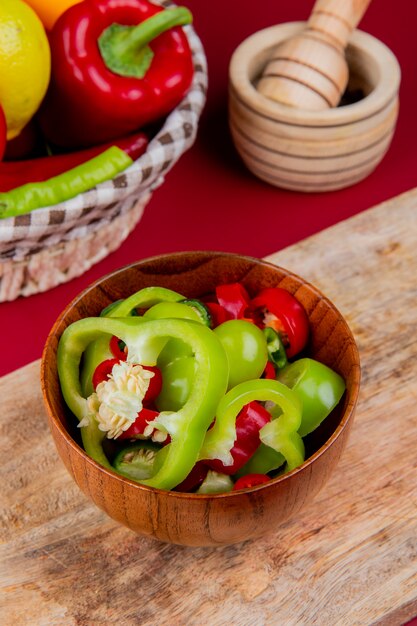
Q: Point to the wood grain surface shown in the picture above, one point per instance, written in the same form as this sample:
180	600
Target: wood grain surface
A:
349	559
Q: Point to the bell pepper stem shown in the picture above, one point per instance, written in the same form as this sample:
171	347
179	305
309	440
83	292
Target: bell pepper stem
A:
125	50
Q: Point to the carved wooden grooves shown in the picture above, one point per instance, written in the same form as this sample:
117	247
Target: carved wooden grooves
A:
193	519
313	150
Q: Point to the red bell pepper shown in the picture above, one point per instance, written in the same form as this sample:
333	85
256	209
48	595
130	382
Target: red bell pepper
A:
137	429
103	371
116	66
249	422
16	173
234	298
117	346
194	478
218	314
250	480
279	309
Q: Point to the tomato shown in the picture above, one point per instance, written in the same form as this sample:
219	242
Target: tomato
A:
246	350
318	387
279	309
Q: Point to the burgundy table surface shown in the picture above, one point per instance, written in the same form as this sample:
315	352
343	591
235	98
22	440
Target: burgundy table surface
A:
209	200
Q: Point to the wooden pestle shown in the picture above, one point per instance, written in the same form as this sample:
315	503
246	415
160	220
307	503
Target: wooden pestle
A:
309	71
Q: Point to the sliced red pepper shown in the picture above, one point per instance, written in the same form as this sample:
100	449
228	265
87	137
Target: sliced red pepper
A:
194	478
269	371
141	422
279	309
117	348
155	384
234	298
249	422
218	314
250	480
103	371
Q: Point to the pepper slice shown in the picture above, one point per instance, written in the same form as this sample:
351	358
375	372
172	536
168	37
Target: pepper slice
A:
278	308
250	480
234	298
280	434
249	422
137	460
145	340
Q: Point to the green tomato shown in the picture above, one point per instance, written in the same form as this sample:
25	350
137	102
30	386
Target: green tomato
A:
177	381
318	387
246	349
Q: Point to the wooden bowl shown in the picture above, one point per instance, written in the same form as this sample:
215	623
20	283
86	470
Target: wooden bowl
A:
314	151
203	520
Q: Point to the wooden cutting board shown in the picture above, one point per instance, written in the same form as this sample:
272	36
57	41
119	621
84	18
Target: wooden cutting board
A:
349	559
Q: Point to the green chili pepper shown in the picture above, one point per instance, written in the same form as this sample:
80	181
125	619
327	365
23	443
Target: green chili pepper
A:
137	460
59	188
317	386
201	309
281	434
145	340
276	350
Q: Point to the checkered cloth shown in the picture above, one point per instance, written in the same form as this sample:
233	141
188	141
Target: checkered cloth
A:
79	217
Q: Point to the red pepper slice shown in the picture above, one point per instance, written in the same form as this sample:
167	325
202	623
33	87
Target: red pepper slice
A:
249	422
194	478
250	480
218	314
155	384
234	298
3	133
141	422
117	348
269	371
103	371
279	309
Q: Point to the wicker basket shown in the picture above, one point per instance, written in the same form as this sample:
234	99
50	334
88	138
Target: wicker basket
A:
55	244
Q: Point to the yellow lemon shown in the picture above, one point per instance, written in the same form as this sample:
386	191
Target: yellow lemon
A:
25	64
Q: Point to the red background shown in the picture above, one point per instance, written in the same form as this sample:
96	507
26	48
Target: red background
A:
209	200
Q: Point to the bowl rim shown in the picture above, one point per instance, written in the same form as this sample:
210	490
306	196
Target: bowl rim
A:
242	88
344	422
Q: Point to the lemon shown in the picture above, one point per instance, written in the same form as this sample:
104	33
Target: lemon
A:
25	64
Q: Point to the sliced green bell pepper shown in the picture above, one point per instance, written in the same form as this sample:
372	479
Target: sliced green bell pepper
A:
145	340
280	434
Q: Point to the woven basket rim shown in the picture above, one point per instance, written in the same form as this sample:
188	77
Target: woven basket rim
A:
77	217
